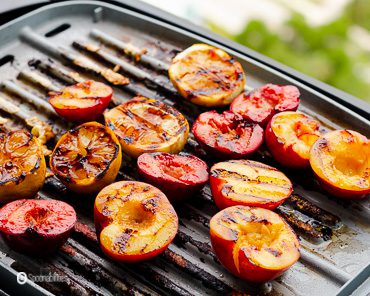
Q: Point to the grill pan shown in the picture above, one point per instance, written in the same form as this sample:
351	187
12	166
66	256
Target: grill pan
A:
56	45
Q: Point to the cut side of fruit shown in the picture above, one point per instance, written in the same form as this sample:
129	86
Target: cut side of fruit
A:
341	161
87	158
261	104
134	221
249	183
206	75
146	125
253	243
227	135
72	103
290	136
83	101
22	165
178	176
36	226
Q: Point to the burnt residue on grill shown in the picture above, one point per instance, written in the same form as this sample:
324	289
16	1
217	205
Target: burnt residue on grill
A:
77	258
303	205
207	279
203	247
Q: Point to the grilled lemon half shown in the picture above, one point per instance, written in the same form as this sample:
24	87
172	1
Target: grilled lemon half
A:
207	76
22	165
87	158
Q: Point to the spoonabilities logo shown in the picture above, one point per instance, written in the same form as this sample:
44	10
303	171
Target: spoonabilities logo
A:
21	278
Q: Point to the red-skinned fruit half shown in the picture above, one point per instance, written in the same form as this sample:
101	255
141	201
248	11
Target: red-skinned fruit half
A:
36	227
248	183
289	137
341	161
254	244
227	135
134	221
178	176
261	104
81	102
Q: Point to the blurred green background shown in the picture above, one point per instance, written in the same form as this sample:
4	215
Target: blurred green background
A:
335	50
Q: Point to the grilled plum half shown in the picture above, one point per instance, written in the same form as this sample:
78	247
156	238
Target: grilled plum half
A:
37	227
261	104
178	176
254	244
227	135
249	183
81	102
290	136
134	221
341	162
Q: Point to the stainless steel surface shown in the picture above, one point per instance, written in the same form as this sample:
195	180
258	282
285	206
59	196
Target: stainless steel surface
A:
188	267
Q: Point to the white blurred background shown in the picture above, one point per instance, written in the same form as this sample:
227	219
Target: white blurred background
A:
326	39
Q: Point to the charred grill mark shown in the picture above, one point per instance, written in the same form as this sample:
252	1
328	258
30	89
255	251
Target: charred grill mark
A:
155	236
170	110
111	125
127	197
274	252
239	75
154	146
106	212
227	218
350	138
151	205
120	243
111	197
227	189
254	218
108	163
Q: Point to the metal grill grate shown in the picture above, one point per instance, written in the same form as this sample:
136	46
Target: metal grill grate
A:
96	43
